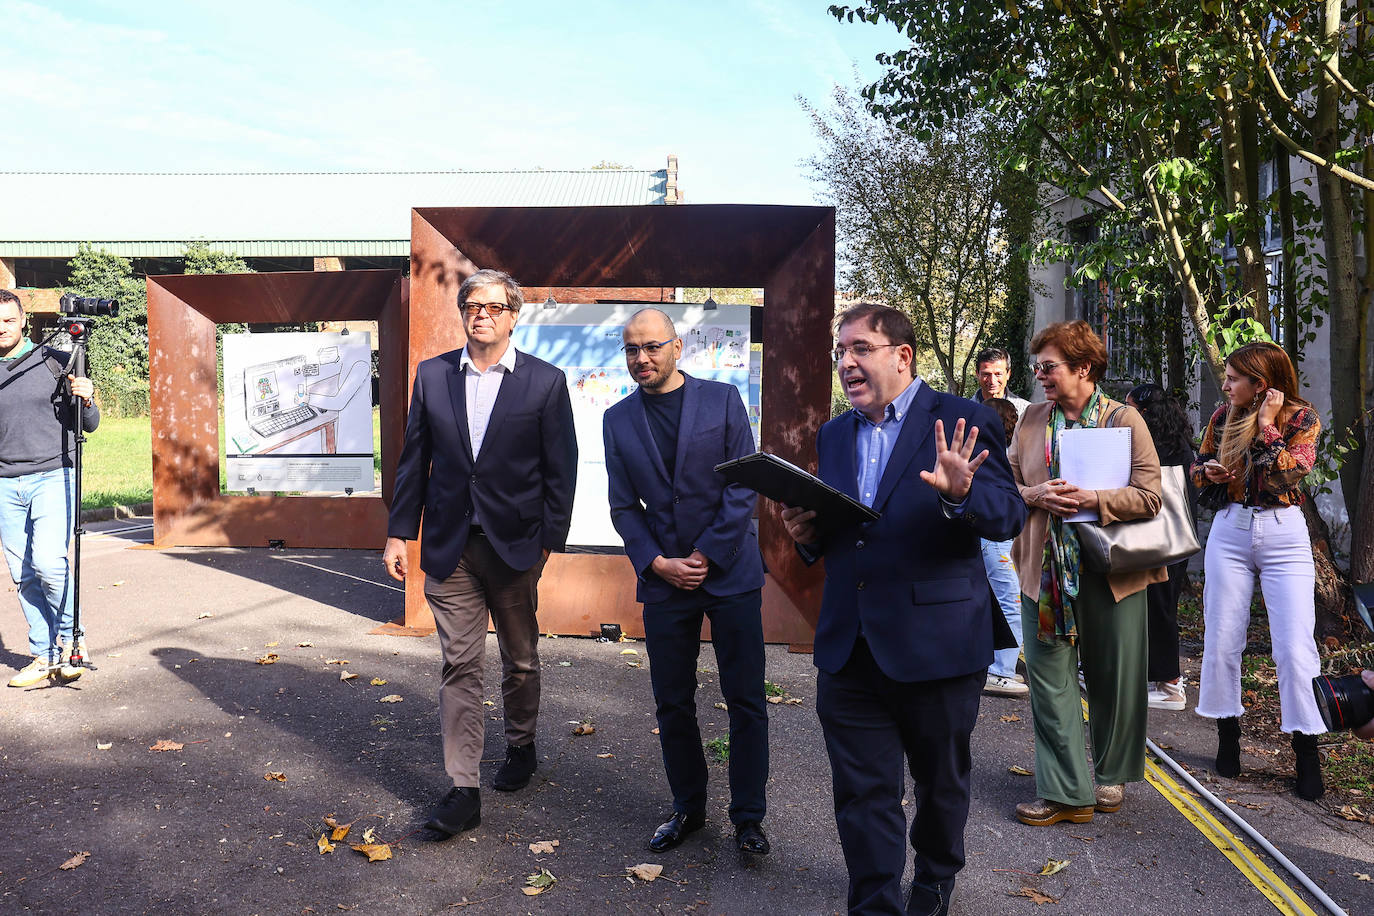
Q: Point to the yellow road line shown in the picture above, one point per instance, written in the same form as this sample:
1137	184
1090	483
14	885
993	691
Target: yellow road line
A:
1259	874
1249	864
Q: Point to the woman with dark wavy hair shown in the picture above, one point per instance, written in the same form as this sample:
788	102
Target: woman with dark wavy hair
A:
1173	436
1259	445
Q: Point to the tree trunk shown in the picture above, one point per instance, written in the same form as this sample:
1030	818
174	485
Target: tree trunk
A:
1249	257
1335	604
1283	175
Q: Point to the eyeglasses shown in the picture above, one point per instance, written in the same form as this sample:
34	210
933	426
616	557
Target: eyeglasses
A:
860	350
494	309
650	350
1046	367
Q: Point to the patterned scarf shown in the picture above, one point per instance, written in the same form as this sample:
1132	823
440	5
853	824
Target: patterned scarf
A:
1060	568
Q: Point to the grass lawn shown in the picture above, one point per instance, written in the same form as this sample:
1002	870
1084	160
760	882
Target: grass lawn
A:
118	461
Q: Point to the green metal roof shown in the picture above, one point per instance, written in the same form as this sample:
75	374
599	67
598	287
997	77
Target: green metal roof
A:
304	214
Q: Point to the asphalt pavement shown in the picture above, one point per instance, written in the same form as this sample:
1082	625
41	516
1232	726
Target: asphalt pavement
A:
235	661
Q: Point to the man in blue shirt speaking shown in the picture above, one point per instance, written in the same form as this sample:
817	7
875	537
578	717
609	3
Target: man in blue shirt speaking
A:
907	623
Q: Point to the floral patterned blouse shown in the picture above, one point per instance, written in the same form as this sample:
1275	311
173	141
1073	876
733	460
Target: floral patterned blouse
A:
1279	460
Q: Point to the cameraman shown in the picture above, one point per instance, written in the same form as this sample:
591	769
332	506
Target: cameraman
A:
37	446
1366	730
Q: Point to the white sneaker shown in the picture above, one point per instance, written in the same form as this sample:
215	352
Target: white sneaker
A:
1005	686
1164	695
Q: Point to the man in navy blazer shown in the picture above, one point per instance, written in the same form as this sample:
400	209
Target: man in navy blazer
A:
906	629
489	463
691	539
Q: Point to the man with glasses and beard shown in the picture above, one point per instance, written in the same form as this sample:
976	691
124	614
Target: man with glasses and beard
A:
691	539
490	463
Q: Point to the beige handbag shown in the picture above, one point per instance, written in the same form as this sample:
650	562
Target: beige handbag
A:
1144	543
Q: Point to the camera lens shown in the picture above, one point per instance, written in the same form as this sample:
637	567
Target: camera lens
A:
1345	702
96	308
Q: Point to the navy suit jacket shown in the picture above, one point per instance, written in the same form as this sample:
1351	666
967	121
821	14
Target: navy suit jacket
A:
521	483
914	579
696	509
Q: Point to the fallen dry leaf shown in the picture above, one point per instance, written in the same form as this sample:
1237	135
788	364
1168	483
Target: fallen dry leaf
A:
337	831
606	756
1019	771
204	616
720	706
539	882
269	659
1054	866
543	846
1361	875
324	844
1011	718
279	777
304	645
391	698
775	700
629	651
645	872
375	852
104	745
791	701
1034	895
1351	812
337	661
346	675
78	859
117	584
378	682
584	728
368	836
166	745
654	732
273	644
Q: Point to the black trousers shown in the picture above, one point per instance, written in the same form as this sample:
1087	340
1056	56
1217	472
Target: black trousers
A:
672	634
1162	599
871	723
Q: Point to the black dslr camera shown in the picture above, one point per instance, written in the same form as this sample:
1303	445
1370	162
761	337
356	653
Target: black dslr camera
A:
88	307
1345	702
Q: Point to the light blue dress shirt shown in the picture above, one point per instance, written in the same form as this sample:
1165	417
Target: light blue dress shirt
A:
874	442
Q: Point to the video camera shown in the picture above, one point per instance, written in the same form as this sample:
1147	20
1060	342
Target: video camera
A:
1345	702
88	306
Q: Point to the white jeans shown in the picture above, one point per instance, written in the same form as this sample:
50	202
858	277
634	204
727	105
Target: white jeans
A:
1275	545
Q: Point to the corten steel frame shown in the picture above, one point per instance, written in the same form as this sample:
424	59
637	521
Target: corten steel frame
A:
789	251
188	507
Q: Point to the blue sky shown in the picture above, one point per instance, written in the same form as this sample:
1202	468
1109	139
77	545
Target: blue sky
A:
401	86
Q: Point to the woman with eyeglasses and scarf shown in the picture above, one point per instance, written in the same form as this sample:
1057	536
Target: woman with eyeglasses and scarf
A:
1259	445
1071	614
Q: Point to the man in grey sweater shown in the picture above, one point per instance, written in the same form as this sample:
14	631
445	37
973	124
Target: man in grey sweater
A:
37	448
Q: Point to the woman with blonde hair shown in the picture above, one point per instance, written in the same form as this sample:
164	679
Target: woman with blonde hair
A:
1070	613
1258	447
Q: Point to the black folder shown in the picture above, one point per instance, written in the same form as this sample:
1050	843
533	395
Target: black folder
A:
768	475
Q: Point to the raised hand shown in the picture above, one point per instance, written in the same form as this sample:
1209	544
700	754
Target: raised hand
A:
1269	409
953	471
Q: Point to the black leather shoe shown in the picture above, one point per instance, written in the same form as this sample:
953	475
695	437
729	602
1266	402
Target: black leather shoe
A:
675	830
515	773
461	809
930	899
749	838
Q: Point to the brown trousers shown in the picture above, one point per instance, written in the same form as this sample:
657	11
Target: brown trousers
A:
483	584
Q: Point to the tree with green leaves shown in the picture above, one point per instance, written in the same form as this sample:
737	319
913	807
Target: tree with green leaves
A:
117	348
1161	115
921	224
